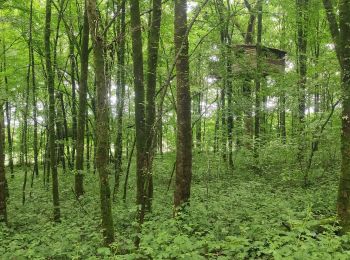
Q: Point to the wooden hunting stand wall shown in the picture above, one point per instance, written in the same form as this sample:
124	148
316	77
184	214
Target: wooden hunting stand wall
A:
273	60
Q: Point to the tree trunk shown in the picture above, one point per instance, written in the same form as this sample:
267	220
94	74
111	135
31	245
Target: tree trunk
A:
25	119
153	46
258	76
344	47
3	212
102	122
51	121
120	99
74	104
61	127
247	88
302	25
282	117
84	60
198	113
35	112
183	102
139	105
229	94
341	38
8	115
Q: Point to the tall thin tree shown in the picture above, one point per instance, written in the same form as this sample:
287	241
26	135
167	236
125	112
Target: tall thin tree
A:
3	212
84	60
136	36
51	118
120	96
152	62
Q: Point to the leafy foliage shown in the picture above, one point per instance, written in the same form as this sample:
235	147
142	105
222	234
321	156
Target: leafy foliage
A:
234	215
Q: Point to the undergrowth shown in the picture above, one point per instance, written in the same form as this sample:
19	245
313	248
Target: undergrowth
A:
232	215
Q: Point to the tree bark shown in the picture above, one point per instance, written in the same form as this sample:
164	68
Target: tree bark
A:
341	37
8	115
152	62
141	158
74	103
343	204
3	212
183	102
302	27
120	98
51	119
258	77
35	109
84	60
102	122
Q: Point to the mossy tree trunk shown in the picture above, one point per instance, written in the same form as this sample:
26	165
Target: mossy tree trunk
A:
102	122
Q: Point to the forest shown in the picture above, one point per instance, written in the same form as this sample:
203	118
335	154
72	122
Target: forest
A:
175	129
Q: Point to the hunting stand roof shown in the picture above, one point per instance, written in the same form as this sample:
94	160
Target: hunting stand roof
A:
273	59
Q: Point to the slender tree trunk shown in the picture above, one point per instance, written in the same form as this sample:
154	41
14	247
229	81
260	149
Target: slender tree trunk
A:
8	114
282	117
223	38
197	107
61	130
88	145
302	20
51	118
9	138
128	171
198	112
120	99
153	46
258	113
229	94
141	158
302	27
183	102
247	88
160	126
223	122
102	122
74	103
217	124
35	114
25	123
84	60
3	212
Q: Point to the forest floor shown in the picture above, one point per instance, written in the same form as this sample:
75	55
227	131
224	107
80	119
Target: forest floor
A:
233	215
